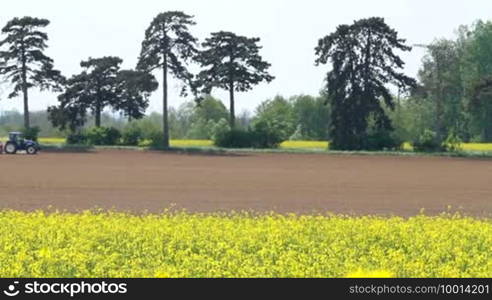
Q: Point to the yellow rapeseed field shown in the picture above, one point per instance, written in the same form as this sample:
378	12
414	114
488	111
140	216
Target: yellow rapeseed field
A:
304	145
191	143
187	245
51	141
406	146
476	147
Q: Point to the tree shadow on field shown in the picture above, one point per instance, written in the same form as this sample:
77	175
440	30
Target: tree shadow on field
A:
199	152
68	149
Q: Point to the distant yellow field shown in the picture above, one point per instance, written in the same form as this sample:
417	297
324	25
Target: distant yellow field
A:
304	145
51	141
464	147
406	146
477	147
191	143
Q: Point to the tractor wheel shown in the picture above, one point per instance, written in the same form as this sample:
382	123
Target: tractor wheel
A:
31	150
10	148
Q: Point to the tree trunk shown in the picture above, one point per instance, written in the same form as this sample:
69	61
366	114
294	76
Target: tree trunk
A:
487	131
27	123
164	104
98	115
440	103
232	118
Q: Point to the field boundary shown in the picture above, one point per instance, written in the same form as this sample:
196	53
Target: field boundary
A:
222	151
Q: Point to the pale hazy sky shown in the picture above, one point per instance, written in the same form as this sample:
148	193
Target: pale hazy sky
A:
289	31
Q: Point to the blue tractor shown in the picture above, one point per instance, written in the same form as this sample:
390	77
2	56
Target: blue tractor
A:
17	142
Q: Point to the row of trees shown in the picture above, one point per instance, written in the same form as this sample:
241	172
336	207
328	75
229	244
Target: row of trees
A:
299	117
451	101
228	61
456	82
451	98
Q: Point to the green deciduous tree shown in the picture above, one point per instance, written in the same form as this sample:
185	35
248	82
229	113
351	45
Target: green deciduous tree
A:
169	45
364	63
23	61
440	77
312	117
201	118
232	63
277	116
477	72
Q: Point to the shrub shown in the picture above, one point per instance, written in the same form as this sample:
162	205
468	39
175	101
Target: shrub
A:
266	135
427	142
259	137
156	138
220	128
76	139
103	136
383	140
31	133
234	139
132	135
453	142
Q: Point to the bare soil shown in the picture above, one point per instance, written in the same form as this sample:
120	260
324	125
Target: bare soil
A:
285	183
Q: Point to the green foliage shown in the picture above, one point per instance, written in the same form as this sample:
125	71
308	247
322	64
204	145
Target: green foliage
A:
275	117
132	135
209	109
76	138
428	142
135	88
220	128
262	136
363	63
453	143
442	85
235	138
169	45
383	140
14	121
31	133
201	129
477	71
411	117
203	118
94	89
99	86
233	63
311	118
156	138
103	136
23	61
266	134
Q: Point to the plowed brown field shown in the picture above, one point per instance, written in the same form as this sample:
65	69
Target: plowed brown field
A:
153	181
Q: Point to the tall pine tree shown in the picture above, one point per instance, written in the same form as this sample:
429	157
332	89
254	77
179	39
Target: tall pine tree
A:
232	63
169	46
24	63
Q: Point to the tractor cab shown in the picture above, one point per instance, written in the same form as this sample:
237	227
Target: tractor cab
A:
17	142
16	137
